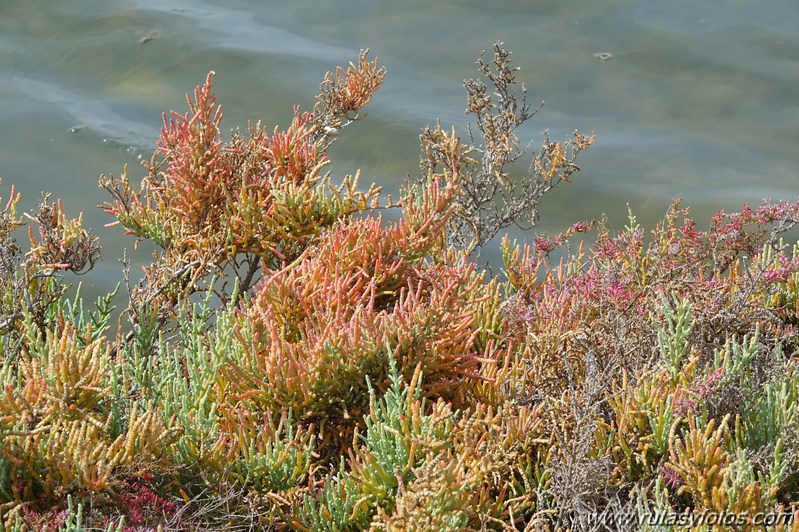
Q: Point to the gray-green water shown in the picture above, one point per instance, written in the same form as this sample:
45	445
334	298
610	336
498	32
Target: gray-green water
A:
700	99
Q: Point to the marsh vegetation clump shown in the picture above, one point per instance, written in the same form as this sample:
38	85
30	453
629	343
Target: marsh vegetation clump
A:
291	360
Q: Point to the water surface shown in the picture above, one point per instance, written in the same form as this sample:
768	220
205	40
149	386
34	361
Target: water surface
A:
699	99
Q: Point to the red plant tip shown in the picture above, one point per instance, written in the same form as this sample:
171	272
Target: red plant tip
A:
671	477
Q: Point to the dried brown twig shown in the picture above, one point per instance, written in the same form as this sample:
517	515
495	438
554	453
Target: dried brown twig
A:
491	198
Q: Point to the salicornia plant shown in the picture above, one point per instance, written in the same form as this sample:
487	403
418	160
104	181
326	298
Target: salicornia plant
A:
291	360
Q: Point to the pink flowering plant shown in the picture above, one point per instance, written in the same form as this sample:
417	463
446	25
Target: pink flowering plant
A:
292	360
